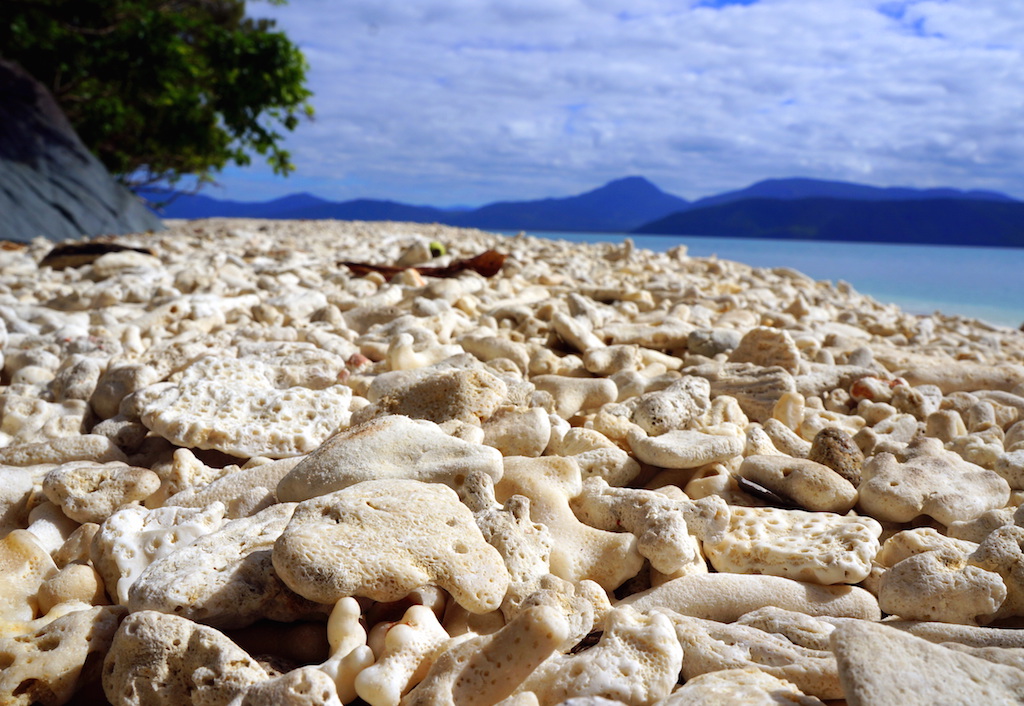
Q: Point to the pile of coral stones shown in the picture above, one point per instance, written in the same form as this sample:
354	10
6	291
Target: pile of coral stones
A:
236	471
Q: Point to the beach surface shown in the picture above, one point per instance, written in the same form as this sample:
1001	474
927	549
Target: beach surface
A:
315	462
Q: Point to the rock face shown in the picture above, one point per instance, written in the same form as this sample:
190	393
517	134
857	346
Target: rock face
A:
50	184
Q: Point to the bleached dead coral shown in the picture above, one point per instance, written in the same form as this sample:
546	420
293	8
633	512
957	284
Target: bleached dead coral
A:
579	429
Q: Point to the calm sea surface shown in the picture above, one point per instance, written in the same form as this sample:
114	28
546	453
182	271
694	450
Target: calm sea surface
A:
985	283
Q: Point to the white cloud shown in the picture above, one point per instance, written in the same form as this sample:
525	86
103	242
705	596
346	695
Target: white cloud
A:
464	101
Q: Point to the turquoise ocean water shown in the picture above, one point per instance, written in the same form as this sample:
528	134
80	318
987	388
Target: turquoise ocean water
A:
983	283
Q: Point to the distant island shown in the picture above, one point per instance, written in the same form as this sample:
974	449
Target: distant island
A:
797	208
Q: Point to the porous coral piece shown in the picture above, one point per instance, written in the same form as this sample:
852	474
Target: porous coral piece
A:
410	647
756	388
133	538
243	492
767	347
15	493
87	447
786	440
174	355
799	628
74	582
749	686
678	406
907	543
661	523
710	342
76	378
157	659
983	525
965	376
29	420
608	360
710	646
942	486
818	547
303	686
24	566
388	447
233	406
350	654
439	395
524	545
516	431
383	538
687	448
790	410
810	485
225	578
939	585
663	334
882	665
575	394
637	661
76	548
579	551
297	364
577	331
1010	466
50	525
595	454
48	665
584	605
488	348
91	492
483	670
892	433
970	635
983	448
117	383
1002	552
184	472
726	597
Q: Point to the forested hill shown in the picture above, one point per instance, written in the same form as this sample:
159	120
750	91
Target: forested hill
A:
618	206
774	208
936	221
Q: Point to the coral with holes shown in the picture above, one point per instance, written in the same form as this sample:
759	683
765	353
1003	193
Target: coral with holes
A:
49	665
393	446
232	405
383	538
817	547
564	482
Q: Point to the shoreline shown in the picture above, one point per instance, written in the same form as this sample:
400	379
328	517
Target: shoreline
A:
616	456
978	282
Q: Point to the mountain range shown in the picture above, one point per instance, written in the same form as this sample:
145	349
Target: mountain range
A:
797	208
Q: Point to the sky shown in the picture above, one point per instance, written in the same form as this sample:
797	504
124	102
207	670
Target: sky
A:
465	102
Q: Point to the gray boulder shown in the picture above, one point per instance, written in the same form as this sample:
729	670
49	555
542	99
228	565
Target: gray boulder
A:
50	184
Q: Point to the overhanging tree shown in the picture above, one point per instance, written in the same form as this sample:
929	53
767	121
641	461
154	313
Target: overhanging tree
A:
163	89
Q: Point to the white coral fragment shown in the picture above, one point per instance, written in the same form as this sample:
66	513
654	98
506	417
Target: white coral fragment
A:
410	647
383	538
232	405
133	538
637	660
819	547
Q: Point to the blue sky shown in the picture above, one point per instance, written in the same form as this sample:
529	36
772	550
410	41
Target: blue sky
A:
450	102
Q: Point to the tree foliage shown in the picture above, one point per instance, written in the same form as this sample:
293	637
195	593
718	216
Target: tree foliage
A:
162	89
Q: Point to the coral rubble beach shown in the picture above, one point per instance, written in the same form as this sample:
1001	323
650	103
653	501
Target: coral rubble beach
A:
234	471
